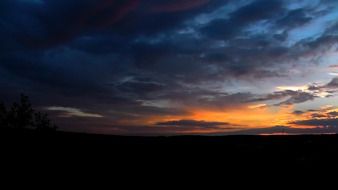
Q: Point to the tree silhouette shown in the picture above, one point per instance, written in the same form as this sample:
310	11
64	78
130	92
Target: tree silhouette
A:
22	116
3	115
42	122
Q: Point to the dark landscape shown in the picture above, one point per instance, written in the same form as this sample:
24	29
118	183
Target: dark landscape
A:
253	151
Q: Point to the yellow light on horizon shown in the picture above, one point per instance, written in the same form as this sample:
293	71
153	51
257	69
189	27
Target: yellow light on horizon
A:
293	88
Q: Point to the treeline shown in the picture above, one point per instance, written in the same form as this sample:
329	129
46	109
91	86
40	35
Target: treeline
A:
21	115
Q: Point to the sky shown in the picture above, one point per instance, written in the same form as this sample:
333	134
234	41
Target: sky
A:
174	67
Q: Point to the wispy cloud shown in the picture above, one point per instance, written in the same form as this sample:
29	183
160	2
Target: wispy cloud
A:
257	106
72	112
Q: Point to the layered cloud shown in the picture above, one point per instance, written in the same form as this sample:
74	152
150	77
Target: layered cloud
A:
319	122
325	117
300	94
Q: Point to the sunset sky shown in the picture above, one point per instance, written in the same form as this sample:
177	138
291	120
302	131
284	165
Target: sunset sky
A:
174	67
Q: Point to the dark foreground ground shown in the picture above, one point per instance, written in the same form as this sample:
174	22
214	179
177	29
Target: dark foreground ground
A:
193	151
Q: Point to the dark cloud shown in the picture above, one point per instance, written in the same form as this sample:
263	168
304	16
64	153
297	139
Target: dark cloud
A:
318	122
318	115
330	88
53	23
333	114
177	6
294	18
333	83
220	29
192	123
256	11
140	87
297	97
298	112
291	96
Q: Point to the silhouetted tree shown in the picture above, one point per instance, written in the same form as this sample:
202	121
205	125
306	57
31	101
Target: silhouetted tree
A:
22	116
43	123
3	115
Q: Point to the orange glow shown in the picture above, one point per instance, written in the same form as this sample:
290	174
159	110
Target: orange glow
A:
241	118
275	134
248	117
